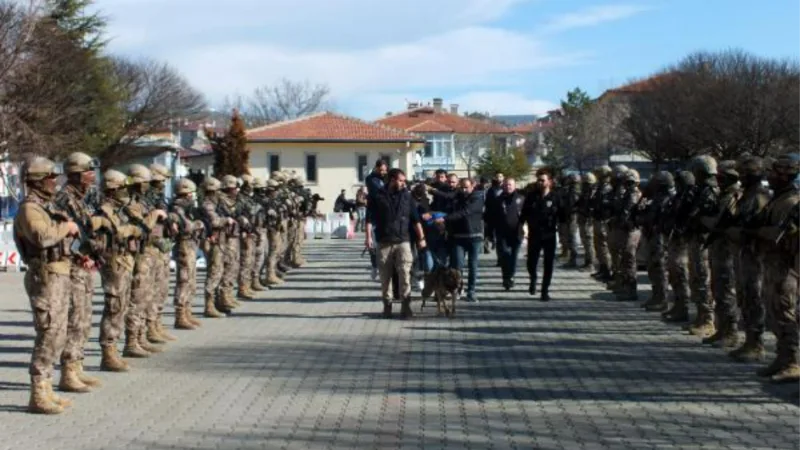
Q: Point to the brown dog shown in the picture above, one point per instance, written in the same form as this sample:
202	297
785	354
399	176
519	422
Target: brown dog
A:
443	282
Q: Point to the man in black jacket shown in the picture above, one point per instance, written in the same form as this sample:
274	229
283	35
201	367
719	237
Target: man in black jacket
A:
493	194
394	214
541	212
465	232
508	230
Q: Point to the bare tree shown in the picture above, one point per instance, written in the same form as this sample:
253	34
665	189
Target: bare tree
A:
286	100
469	147
725	103
155	94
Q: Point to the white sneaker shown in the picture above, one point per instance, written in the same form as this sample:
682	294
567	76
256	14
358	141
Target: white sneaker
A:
374	273
421	285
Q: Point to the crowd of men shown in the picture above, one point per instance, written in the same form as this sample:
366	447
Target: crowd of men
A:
250	230
714	235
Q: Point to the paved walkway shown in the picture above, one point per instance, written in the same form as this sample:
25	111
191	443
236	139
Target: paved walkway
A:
311	365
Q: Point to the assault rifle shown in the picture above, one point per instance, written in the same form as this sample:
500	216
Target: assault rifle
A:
81	245
784	225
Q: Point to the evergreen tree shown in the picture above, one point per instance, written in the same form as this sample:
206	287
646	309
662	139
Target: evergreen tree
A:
231	156
512	163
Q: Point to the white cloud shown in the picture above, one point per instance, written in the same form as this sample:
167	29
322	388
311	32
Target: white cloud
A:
368	51
459	59
592	16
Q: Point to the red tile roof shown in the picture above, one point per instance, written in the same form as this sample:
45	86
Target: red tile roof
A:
639	86
427	120
329	127
531	127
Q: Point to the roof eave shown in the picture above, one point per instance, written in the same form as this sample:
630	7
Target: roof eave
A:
335	141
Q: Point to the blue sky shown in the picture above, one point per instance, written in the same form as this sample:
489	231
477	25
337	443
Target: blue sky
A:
501	56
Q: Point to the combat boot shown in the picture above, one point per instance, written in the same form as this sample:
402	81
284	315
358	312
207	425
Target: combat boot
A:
704	326
627	294
86	378
70	382
63	402
790	373
256	286
728	336
153	334
778	364
181	321
387	310
146	345
679	313
272	279
40	401
245	292
573	261
229	300
210	310
111	362
751	351
405	310
190	317
132	348
163	331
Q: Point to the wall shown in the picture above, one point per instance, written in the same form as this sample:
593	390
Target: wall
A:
336	163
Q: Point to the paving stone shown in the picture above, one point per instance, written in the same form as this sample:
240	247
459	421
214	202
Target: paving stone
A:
311	365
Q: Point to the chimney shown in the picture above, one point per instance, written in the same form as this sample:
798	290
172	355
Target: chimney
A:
437	105
454	108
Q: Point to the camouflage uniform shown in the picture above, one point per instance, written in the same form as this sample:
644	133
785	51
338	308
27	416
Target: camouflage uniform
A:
260	226
70	200
40	238
274	235
650	220
778	238
749	270
119	244
162	237
231	246
723	265
704	203
144	288
571	197
601	205
585	211
246	208
678	248
214	247
190	230
630	235
616	234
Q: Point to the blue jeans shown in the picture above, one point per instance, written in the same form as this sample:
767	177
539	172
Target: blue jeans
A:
508	252
460	249
362	218
438	252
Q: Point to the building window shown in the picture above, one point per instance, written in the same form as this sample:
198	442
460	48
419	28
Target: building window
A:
428	149
311	168
274	162
387	158
361	167
437	146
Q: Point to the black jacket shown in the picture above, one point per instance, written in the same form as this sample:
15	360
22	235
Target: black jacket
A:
492	206
542	214
394	214
508	220
465	220
443	198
